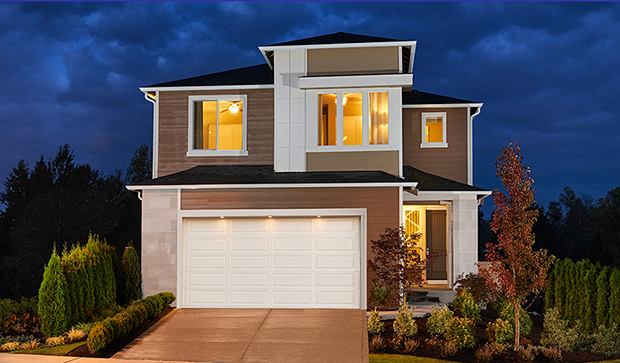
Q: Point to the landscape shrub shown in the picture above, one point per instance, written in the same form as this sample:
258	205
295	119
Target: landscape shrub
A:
526	354
375	325
18	317
549	297
448	349
476	286
122	323
405	325
30	345
55	341
132	273
380	296
614	298
439	320
10	346
71	266
75	335
53	308
105	283
465	307
19	339
484	354
411	345
606	341
461	333
553	354
602	297
377	344
507	313
500	331
588	311
557	333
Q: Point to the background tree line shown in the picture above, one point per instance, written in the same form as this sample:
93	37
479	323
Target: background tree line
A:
58	202
575	227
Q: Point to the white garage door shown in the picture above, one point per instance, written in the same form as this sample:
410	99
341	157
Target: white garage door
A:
271	262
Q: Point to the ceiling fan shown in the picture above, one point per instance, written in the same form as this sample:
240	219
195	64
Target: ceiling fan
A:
233	108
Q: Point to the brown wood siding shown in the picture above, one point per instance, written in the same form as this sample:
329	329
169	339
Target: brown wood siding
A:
348	61
173	131
382	204
450	162
353	161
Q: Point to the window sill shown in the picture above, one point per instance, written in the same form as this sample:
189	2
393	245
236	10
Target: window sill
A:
217	153
434	145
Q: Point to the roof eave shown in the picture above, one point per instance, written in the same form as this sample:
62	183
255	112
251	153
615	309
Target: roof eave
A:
270	186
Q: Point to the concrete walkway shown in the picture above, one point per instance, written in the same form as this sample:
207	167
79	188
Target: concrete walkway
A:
255	335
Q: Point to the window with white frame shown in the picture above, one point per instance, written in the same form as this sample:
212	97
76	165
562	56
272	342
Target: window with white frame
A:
352	118
217	125
434	125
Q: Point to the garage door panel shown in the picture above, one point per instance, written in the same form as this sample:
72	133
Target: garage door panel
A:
271	262
339	244
206	279
249	225
291	279
249	244
249	279
207	244
246	262
292	244
197	262
292	261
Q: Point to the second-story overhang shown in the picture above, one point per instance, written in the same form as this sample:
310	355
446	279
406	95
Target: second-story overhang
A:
404	80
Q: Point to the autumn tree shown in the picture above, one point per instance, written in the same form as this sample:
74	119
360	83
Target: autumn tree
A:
516	270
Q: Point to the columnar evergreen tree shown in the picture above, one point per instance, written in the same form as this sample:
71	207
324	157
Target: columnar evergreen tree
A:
54	311
614	298
590	297
550	299
516	269
132	273
602	297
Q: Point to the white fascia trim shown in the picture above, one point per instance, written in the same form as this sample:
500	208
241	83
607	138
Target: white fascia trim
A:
380	80
155	149
275	186
208	88
412	57
445	105
449	195
341	45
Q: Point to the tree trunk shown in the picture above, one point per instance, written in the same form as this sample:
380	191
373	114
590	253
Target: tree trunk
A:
517	306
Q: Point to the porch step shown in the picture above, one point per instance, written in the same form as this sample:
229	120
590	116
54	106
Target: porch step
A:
421	296
444	296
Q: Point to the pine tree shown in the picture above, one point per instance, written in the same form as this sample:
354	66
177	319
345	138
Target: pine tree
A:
53	306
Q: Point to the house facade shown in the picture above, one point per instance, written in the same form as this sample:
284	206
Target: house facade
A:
270	181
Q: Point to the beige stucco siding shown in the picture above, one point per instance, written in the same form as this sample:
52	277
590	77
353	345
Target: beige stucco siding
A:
450	162
349	61
353	161
173	131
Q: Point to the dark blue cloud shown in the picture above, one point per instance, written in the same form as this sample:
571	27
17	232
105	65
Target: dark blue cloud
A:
546	72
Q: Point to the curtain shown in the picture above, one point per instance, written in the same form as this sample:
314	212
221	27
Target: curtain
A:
378	130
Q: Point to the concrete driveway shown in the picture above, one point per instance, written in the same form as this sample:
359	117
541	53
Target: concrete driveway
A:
255	335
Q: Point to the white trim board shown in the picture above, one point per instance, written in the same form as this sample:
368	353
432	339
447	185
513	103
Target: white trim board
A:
257	186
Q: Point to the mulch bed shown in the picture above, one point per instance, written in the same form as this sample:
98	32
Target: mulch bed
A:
119	344
426	349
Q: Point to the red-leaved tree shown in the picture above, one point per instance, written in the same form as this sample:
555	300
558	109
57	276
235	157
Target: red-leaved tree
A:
516	270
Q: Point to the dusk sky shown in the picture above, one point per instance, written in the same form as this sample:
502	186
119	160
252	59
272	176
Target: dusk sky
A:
547	73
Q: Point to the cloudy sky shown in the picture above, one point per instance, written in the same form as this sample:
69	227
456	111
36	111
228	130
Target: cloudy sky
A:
547	73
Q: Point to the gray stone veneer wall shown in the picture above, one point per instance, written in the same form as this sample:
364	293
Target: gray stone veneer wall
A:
159	241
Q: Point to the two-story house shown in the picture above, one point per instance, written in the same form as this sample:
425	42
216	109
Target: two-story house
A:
270	181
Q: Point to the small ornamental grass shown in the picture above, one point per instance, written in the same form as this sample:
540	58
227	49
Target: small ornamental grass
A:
377	344
411	345
484	354
552	354
439	320
10	346
375	325
461	333
448	349
55	341
74	335
526	354
33	344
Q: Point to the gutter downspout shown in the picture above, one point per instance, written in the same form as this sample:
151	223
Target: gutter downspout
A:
155	102
470	145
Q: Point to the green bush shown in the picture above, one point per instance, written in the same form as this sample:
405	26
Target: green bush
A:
550	290
460	332
122	323
500	331
18	317
374	323
132	273
465	307
507	313
614	298
588	315
477	287
557	333
53	306
439	320
405	325
602	297
606	341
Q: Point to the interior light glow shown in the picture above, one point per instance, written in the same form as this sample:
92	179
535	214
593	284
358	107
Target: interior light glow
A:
221	217
344	101
318	216
234	108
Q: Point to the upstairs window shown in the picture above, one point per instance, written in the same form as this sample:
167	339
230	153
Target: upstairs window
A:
360	118
434	125
217	125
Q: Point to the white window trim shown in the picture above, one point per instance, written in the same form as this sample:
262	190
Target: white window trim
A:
394	118
190	126
444	144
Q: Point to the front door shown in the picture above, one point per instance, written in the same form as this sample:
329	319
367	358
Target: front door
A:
436	243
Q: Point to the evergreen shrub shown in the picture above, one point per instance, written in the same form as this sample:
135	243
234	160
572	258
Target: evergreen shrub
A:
465	307
614	298
439	320
54	312
405	325
602	297
460	332
374	323
507	313
500	331
132	273
557	333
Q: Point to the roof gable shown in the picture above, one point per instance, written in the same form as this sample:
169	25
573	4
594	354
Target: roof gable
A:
259	74
335	38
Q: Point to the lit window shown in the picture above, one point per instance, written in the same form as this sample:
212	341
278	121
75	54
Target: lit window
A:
217	125
434	129
350	126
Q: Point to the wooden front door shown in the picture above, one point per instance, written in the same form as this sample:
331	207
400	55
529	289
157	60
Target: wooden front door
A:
436	241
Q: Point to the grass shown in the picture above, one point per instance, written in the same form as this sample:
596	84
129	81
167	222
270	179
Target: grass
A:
59	350
395	358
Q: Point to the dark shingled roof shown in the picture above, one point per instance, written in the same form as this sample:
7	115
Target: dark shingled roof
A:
433	183
260	74
336	38
416	97
265	174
